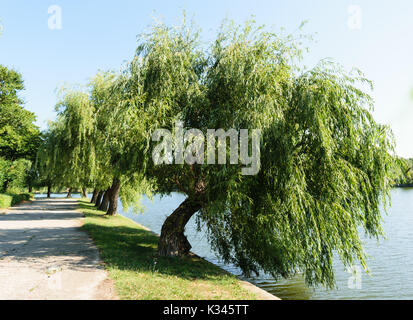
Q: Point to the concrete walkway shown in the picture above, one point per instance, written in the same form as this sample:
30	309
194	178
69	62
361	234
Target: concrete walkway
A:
45	255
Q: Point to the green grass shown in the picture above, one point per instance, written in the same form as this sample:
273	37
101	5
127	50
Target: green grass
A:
129	255
10	199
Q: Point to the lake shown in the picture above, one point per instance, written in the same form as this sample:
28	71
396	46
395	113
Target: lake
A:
390	260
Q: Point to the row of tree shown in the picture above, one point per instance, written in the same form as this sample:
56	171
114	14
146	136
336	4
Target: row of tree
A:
326	165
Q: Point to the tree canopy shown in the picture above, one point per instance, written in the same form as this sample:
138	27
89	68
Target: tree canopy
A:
18	134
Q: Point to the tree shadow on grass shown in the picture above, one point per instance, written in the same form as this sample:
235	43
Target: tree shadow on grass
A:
126	246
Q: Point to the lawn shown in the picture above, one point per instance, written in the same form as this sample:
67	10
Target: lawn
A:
129	253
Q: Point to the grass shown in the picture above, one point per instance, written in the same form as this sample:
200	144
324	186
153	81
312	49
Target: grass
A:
129	254
10	199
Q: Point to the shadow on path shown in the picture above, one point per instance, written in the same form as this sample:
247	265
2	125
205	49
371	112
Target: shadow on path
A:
42	241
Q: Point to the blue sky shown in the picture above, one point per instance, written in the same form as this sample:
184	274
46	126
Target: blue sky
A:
102	35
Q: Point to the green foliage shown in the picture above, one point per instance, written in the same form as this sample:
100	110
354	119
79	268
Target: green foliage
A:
74	126
19	137
66	154
14	175
46	161
404	173
103	100
8	200
4	164
17	173
5	200
326	165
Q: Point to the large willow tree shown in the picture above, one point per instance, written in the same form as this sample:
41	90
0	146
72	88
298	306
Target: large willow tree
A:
325	163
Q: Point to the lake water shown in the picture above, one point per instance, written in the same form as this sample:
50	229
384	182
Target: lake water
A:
390	260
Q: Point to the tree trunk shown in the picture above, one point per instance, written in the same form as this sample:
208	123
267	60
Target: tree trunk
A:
49	191
69	193
99	198
30	189
173	241
113	198
94	196
105	201
5	185
84	193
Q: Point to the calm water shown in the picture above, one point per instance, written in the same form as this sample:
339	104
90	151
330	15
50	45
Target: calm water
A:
390	261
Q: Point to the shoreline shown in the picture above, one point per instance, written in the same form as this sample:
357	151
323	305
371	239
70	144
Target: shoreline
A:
129	254
261	293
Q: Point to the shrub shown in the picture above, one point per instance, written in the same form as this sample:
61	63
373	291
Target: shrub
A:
8	200
5	200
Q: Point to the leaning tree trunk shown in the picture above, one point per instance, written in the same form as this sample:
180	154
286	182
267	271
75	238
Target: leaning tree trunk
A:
84	193
173	241
105	201
99	198
94	196
49	188
113	198
69	193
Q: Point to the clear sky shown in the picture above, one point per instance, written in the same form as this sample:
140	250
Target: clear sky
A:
372	35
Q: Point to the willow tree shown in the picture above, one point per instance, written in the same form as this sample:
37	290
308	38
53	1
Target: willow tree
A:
325	164
73	129
46	164
108	138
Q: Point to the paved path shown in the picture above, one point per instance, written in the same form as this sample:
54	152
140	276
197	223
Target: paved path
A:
45	255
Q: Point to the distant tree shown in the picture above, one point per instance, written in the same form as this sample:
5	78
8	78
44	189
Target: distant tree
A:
16	175
73	132
404	172
65	157
47	167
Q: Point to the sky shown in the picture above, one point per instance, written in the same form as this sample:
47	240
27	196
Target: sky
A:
372	35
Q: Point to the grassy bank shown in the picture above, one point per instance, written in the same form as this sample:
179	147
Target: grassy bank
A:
129	253
7	200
